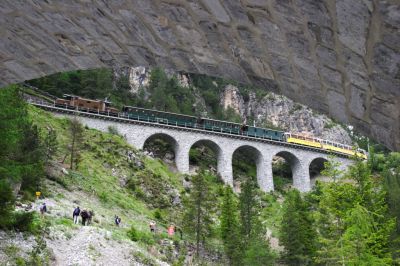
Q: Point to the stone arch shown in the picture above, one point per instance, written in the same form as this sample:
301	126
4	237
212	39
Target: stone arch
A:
212	145
315	167
164	137
295	166
255	154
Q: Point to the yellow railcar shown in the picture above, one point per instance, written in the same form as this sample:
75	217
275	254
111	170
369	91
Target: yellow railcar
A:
324	144
303	141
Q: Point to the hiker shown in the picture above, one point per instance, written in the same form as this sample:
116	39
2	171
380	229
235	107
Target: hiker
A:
75	214
43	208
117	220
86	217
171	230
152	226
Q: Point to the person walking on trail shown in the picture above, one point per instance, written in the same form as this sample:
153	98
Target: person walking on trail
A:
117	220
152	226
171	230
43	208
75	214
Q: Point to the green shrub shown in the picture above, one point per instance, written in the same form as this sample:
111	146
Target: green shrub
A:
280	183
147	238
329	125
64	221
131	184
133	234
103	196
6	203
139	193
157	215
23	222
113	130
144	237
144	259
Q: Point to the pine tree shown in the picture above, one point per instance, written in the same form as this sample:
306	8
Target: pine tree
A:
331	169
255	248
297	233
353	220
31	157
50	145
199	206
391	173
230	227
355	243
258	253
21	156
76	134
248	209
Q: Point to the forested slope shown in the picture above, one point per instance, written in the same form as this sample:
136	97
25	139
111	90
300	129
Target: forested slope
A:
349	221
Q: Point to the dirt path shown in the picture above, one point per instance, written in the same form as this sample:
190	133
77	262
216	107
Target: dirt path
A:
88	245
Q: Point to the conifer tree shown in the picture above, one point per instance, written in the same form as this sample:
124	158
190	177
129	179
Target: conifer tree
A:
297	233
199	206
21	155
248	209
391	173
255	248
50	145
76	134
353	220
31	157
230	227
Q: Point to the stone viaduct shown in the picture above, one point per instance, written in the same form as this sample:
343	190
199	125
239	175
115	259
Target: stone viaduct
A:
224	146
339	57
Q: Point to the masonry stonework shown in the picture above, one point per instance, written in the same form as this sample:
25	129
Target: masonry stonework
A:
224	145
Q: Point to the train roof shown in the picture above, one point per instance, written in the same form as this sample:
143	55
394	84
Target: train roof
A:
329	141
157	111
215	120
86	99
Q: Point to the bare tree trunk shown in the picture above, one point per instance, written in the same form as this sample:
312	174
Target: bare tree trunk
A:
65	157
72	151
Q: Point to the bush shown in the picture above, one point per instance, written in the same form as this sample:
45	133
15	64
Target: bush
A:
6	202
133	234
157	215
26	222
131	184
144	237
113	130
23	222
280	183
103	196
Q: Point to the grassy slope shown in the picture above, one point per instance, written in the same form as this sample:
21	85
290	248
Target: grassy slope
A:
95	185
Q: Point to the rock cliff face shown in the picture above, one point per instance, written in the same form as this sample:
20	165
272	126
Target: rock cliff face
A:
278	111
272	110
340	57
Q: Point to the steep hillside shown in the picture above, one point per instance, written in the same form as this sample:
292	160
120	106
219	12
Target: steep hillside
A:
215	226
109	182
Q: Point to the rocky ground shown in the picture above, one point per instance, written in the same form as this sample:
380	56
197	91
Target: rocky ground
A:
101	243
